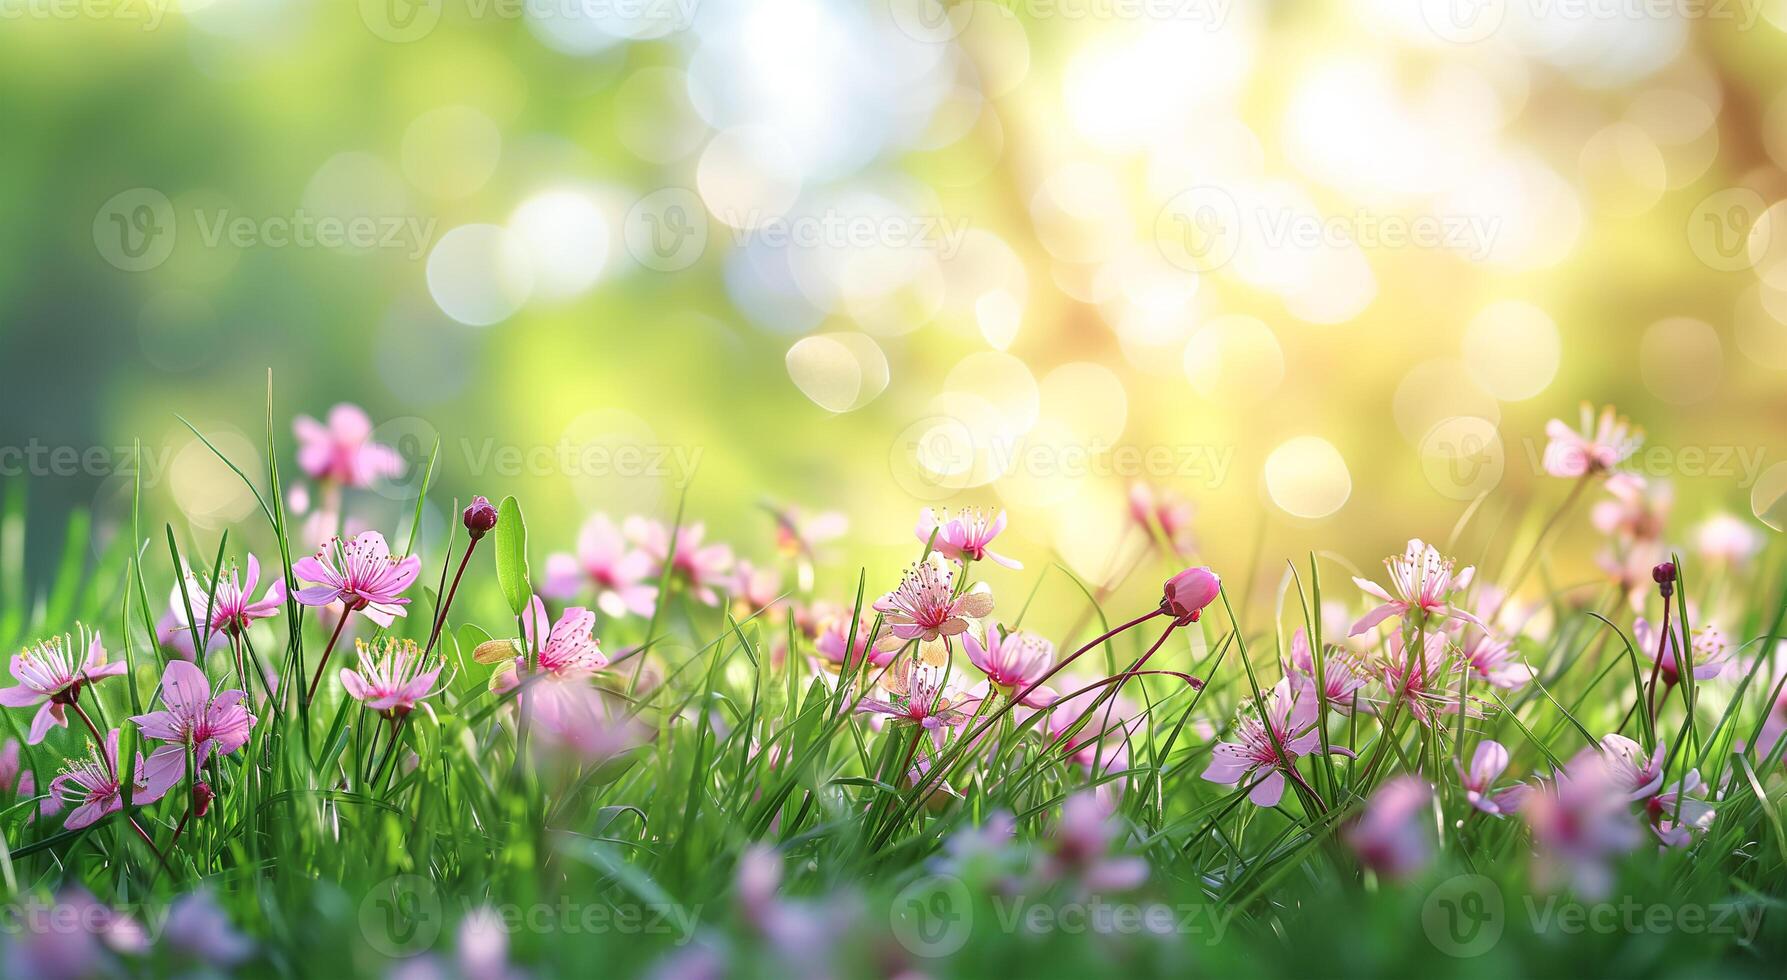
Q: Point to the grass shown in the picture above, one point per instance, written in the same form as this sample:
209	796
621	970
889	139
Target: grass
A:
745	820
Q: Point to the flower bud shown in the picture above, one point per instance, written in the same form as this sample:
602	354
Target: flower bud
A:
1664	576
480	517
1187	593
202	795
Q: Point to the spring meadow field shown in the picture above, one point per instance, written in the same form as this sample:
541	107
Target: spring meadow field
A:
892	488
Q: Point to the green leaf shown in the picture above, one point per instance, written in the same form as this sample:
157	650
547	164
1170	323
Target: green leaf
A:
511	556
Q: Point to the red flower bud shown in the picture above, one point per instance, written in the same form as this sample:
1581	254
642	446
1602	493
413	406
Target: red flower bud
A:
480	517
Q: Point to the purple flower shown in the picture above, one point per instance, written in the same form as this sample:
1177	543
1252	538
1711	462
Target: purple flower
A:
363	574
1487	764
198	927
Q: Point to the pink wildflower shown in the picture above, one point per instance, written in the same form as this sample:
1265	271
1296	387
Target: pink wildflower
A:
1627	769
231	608
1424	682
925	606
1487	764
1708	654
1496	661
605	560
1342	674
1254	754
1639	510
916	696
570	650
701	567
362	573
22	782
1013	662
1389	836
197	927
1166	510
1597	446
838	652
1727	539
48	675
1083	841
1423	583
192	719
343	450
393	677
964	537
91	785
1579	822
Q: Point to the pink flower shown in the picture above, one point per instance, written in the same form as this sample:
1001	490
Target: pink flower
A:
1496	661
570	651
1163	509
800	534
925	606
604	559
1709	654
1423	682
1343	675
392	681
1083	841
700	567
1013	662
1186	594
172	634
1101	744
1597	447
1579	822
48	675
92	787
1727	539
1293	725
192	719
964	537
343	450
1675	816
1487	764
837	651
363	574
1628	771
1423	583
22	782
1390	837
1639	510
67	938
231	609
916	697
755	587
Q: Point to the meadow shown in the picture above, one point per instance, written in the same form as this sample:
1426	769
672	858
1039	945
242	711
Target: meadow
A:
323	748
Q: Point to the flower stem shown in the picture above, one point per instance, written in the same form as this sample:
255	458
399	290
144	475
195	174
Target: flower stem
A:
440	618
1663	644
310	695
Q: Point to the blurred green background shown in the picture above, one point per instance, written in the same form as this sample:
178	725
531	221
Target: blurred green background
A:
1324	268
